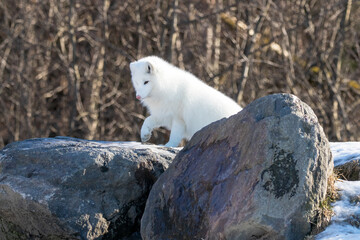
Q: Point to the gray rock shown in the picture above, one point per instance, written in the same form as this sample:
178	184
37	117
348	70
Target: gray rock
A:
260	174
21	218
65	188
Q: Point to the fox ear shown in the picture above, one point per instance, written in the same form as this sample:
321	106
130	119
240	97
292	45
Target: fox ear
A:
149	68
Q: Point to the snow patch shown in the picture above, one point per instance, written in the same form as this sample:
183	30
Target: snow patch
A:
346	220
159	149
344	152
139	146
345	224
339	232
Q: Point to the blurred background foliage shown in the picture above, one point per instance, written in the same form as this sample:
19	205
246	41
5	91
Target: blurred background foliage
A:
64	65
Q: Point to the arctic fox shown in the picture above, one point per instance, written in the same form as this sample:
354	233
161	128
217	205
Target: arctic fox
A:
176	100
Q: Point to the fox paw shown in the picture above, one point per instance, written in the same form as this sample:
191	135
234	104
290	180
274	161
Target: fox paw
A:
145	138
145	135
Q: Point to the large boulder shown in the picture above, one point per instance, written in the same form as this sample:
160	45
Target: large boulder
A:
66	188
260	174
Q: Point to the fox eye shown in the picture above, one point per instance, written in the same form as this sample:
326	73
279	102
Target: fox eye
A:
146	82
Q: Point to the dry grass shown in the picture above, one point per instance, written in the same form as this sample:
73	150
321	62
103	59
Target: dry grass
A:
325	211
349	171
64	65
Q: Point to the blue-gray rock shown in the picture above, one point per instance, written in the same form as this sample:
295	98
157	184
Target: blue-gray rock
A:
65	188
260	174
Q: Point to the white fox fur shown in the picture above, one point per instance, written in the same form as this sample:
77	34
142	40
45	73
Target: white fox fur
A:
176	100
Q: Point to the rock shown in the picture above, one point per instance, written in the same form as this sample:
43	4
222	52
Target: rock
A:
349	171
66	188
21	218
260	174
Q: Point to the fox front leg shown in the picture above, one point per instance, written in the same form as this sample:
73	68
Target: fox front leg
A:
148	126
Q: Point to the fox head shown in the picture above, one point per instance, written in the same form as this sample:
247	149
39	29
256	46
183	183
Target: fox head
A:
143	78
